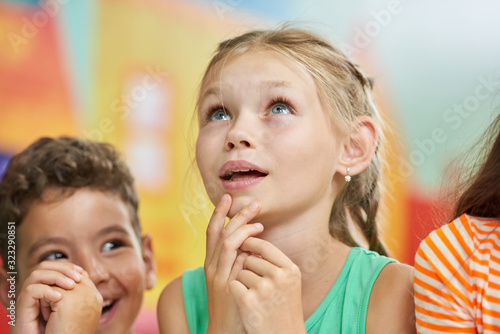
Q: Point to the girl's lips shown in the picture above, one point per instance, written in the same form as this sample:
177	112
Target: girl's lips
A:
108	315
239	165
241	184
240	175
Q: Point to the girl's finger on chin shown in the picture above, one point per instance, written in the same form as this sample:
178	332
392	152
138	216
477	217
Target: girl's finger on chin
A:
216	223
244	216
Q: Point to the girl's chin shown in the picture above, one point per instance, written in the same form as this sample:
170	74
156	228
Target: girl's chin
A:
234	210
238	203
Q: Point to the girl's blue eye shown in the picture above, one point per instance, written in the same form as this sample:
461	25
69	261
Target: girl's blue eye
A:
110	245
280	109
220	115
53	256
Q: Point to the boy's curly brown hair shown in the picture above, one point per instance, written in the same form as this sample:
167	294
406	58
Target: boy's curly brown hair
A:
68	164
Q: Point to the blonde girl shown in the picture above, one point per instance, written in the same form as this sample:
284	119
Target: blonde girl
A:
288	150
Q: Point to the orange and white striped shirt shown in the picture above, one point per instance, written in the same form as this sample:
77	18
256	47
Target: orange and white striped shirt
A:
457	278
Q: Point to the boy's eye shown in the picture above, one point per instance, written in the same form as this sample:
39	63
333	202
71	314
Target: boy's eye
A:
110	245
220	115
280	108
53	256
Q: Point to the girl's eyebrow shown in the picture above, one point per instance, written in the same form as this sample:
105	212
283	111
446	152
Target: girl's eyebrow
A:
216	90
277	84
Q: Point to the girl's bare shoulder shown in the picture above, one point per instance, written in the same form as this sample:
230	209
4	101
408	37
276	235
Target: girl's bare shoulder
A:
391	308
171	314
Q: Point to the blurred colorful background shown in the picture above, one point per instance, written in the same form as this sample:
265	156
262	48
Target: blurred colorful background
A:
127	71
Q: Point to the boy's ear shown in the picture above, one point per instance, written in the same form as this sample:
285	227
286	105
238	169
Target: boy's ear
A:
149	261
359	147
4	287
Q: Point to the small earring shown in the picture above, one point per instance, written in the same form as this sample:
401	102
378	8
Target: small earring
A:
347	177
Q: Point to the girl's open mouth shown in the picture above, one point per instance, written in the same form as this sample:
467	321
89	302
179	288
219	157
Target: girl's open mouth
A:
239	175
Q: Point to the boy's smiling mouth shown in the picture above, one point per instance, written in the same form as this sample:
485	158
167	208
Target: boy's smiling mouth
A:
108	309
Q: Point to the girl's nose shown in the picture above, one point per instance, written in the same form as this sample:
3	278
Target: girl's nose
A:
230	144
241	134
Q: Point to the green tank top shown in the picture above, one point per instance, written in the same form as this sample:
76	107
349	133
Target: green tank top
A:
342	311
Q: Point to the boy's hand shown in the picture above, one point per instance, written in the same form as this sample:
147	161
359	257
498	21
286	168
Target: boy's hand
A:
40	290
47	301
78	311
222	266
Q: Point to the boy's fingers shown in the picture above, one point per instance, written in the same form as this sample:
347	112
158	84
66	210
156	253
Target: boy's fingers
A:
45	310
216	224
50	277
41	292
31	300
67	268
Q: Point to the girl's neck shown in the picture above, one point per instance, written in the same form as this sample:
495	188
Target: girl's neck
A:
305	239
318	255
308	246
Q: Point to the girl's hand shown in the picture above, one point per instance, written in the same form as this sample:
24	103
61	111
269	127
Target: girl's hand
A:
268	290
222	266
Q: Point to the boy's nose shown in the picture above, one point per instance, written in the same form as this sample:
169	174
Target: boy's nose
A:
95	268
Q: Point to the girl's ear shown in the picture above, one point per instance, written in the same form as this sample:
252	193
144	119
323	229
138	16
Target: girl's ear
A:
359	146
149	261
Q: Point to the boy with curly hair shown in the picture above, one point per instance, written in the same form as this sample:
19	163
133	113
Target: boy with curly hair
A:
70	240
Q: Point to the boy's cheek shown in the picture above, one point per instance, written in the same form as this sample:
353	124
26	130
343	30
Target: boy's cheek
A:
128	272
131	275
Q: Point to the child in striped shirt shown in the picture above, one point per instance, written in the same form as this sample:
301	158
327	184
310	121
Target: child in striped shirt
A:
457	267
